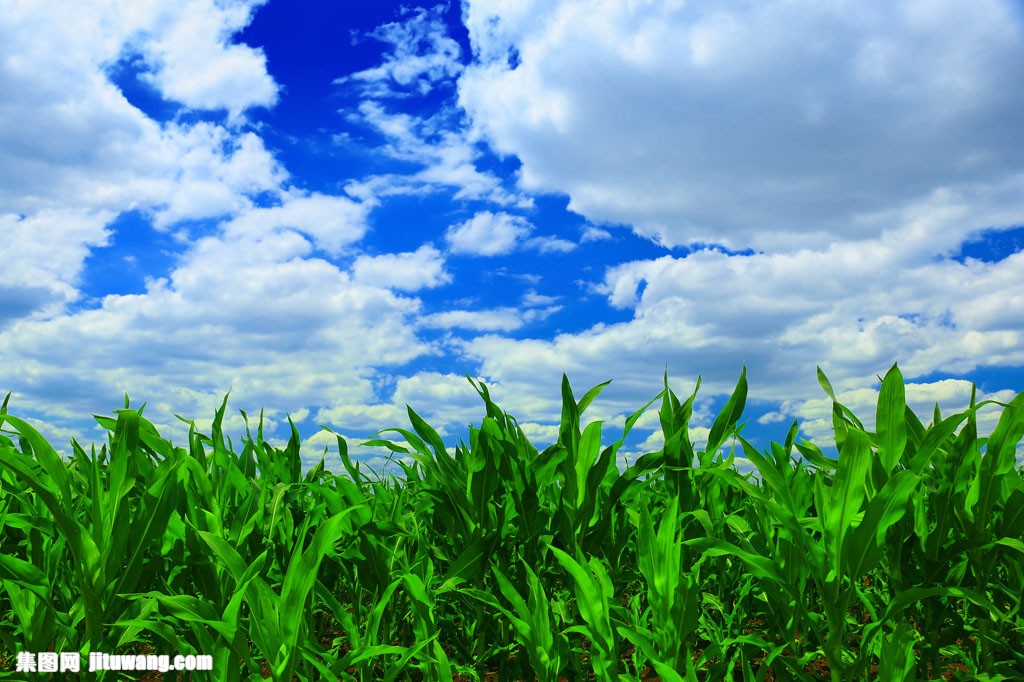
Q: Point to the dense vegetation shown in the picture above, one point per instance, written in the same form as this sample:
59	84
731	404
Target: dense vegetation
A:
900	560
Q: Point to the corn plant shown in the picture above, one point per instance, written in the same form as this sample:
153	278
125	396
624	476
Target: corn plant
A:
899	558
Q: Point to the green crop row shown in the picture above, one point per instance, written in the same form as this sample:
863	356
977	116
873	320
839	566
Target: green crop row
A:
900	560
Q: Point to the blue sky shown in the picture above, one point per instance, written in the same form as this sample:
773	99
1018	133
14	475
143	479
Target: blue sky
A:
337	209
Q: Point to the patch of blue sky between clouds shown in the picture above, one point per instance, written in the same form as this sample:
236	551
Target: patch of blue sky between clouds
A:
992	246
134	255
127	74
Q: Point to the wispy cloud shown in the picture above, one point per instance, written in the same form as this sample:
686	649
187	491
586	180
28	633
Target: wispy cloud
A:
594	234
506	319
499	319
550	244
445	157
422	56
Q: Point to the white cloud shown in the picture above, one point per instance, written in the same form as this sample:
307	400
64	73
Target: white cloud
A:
371	461
210	173
656	441
433	388
194	62
447	401
540	435
333	222
364	416
187	47
44	255
411	271
778	125
488	234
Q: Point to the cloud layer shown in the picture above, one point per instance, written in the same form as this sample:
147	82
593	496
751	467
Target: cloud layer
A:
777	125
822	163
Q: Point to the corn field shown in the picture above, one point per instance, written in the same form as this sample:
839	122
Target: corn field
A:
900	560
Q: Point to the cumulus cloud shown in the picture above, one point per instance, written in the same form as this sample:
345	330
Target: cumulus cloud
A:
74	153
778	125
505	319
532	298
488	234
210	173
333	222
193	61
44	255
497	234
853	309
410	271
250	312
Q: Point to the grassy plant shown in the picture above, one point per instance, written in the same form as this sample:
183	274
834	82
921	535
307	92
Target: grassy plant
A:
901	559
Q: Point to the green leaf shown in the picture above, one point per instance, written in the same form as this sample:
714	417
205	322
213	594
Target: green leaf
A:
890	421
44	454
589	396
863	546
847	492
469	565
427	432
729	415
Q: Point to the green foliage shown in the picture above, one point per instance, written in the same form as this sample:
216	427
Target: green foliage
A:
902	559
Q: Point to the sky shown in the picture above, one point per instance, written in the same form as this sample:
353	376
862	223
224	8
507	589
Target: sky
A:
337	209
